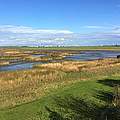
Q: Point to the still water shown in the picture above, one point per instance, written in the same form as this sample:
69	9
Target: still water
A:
83	55
92	55
19	66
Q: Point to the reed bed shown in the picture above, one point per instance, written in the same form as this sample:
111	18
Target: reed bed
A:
2	63
82	65
27	85
27	55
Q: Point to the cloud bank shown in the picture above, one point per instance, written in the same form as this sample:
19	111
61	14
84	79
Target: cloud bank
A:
27	36
23	29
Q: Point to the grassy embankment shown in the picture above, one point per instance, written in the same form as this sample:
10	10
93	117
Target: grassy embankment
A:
25	94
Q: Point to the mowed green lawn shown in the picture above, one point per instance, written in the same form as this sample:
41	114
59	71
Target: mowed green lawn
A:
36	110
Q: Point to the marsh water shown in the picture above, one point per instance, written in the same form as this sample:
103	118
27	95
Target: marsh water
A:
83	55
93	55
39	55
19	66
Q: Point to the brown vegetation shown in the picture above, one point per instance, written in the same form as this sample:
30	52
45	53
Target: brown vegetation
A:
27	85
82	65
2	63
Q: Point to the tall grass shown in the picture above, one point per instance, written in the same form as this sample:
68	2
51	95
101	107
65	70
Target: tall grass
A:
27	85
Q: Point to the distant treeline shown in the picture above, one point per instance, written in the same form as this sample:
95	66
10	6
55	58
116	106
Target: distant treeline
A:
57	46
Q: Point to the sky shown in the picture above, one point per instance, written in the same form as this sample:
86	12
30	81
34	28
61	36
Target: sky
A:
59	22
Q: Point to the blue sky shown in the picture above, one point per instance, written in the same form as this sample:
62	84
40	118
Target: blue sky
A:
60	14
97	18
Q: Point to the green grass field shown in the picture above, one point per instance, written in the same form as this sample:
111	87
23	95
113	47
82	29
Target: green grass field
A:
63	87
36	109
28	111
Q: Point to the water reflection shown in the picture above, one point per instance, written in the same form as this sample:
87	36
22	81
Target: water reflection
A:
83	55
92	55
19	66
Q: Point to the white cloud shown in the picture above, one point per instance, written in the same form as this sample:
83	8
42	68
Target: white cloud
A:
94	27
20	35
59	39
23	29
116	29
